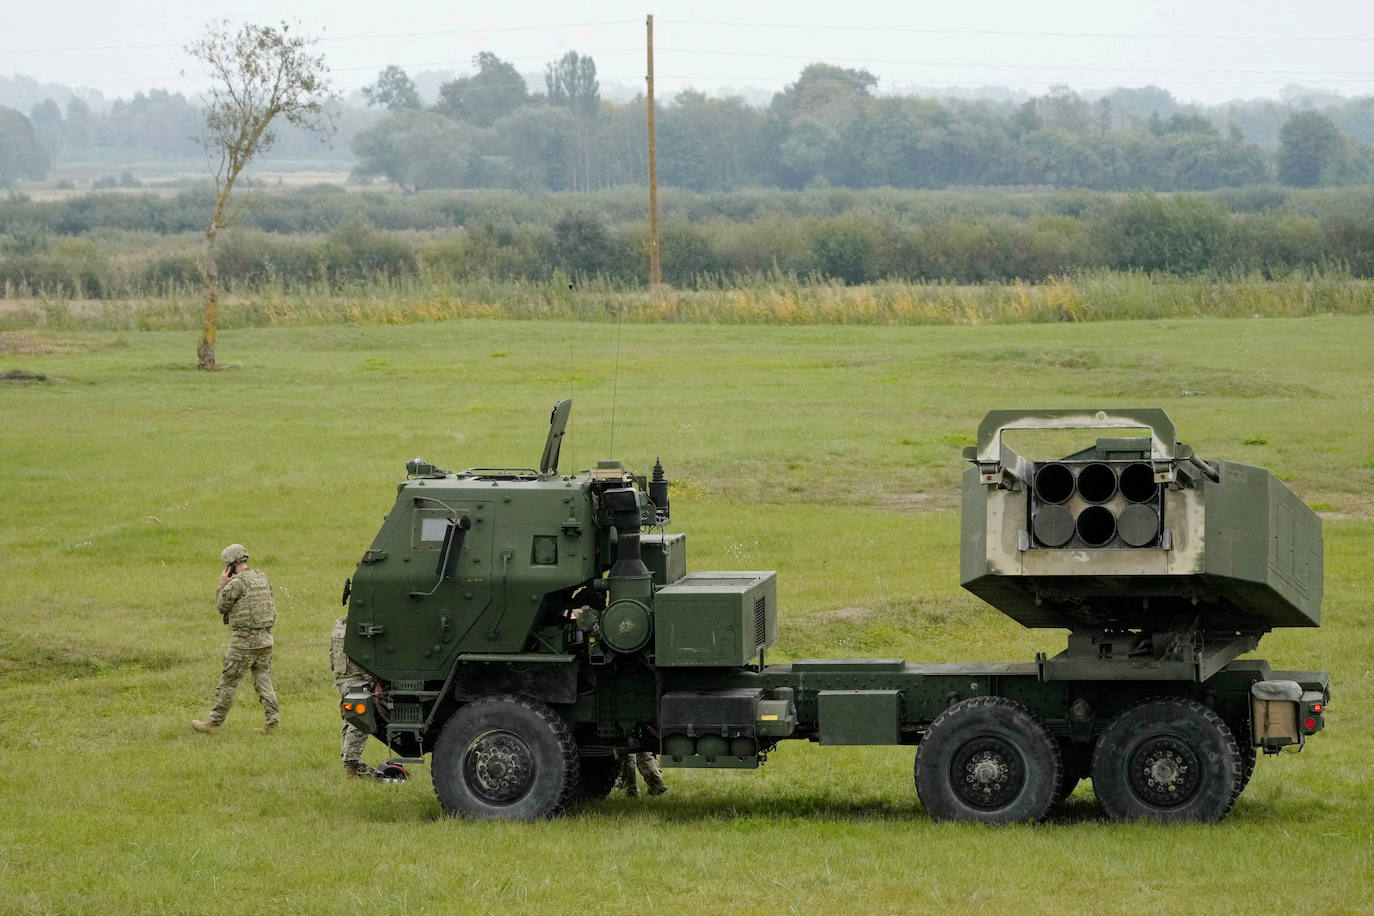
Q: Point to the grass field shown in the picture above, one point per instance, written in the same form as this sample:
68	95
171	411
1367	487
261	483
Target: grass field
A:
831	454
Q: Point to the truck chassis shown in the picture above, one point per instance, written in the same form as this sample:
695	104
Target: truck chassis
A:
554	635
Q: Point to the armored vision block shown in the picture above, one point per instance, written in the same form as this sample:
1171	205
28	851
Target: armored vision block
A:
1134	532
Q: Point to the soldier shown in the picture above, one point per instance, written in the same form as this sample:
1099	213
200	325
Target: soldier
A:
648	768
347	676
245	602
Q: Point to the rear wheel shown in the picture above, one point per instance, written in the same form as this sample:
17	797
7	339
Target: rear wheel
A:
1076	759
598	775
989	760
1167	759
506	758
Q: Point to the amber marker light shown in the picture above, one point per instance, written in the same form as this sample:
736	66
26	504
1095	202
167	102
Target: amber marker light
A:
1316	707
361	709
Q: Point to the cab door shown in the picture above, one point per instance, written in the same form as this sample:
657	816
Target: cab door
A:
407	615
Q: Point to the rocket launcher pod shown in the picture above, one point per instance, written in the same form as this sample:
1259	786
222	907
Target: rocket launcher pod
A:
1134	532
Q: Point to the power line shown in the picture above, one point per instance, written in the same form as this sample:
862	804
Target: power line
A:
1005	66
513	28
1020	34
373	68
323	38
793	79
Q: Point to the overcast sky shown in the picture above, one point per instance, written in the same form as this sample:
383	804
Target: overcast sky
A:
1200	51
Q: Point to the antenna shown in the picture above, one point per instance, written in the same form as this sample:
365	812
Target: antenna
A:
615	379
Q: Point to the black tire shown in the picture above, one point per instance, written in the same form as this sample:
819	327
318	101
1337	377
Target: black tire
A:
1168	759
989	760
1068	784
505	758
1075	759
598	776
1247	768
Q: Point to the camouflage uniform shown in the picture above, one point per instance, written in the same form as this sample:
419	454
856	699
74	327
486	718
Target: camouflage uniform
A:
245	603
648	768
348	676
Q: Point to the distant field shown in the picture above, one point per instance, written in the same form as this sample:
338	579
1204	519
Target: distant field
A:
75	179
829	453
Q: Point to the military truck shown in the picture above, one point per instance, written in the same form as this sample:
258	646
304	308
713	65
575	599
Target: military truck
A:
526	627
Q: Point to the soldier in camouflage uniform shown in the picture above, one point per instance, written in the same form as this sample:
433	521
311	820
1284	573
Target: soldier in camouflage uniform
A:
648	768
347	676
245	602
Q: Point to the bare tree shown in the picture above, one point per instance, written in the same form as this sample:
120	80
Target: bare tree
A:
260	73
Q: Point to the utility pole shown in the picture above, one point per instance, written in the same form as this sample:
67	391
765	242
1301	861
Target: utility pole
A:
655	274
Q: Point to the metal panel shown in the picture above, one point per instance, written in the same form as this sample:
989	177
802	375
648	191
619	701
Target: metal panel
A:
860	716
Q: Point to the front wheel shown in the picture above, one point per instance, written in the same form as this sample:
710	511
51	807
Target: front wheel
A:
989	760
505	758
1169	759
1247	767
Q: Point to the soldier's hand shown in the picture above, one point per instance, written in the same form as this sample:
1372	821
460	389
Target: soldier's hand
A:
223	578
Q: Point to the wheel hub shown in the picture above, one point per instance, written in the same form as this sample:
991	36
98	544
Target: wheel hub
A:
498	767
987	773
1165	771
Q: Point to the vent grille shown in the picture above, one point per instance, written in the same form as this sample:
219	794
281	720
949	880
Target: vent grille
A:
407	714
715	581
760	621
407	686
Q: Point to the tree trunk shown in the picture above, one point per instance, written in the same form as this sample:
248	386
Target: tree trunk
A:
205	351
209	271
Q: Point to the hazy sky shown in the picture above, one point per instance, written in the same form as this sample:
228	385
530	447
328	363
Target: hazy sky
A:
1203	51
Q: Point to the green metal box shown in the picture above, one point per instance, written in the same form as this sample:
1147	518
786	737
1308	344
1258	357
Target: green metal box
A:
720	619
665	555
860	716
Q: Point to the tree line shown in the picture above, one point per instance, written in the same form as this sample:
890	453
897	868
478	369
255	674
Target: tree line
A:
829	127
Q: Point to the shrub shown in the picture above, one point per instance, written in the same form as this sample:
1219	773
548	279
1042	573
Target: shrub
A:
1178	234
846	248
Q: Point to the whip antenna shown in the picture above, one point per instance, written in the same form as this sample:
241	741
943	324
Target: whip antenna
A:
615	379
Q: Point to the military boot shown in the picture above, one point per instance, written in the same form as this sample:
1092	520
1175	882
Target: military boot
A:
356	769
270	728
210	728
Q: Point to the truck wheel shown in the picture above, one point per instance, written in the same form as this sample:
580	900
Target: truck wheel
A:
1167	759
989	760
1247	768
599	773
1076	759
505	758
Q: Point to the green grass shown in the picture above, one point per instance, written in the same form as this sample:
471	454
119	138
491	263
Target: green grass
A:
831	454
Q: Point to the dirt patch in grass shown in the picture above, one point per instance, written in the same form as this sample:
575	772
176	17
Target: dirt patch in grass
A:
31	343
37	659
22	375
846	613
918	502
1332	506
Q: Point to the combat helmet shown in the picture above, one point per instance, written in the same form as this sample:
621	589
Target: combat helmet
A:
233	554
